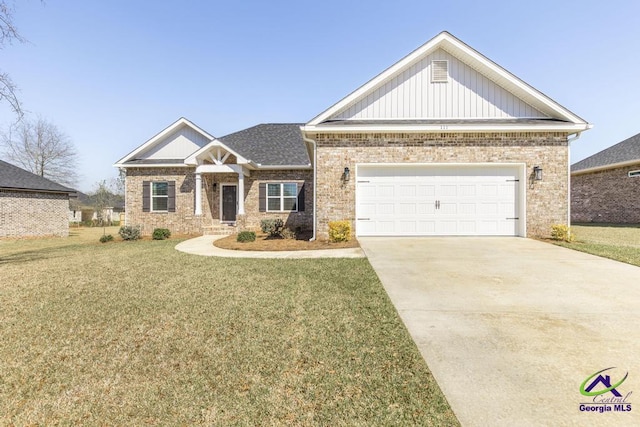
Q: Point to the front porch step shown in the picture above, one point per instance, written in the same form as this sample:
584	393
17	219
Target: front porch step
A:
219	229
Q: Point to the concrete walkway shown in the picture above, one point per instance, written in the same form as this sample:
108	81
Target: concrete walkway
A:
511	327
204	246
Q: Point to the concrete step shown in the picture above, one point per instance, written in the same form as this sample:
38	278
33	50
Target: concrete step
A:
219	230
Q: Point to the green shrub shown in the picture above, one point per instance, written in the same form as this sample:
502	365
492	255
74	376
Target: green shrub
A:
339	231
246	236
106	238
561	232
161	233
272	226
288	233
129	232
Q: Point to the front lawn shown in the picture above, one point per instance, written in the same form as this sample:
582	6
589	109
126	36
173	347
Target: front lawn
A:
621	243
136	333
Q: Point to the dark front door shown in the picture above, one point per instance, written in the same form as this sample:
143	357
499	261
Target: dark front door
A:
229	200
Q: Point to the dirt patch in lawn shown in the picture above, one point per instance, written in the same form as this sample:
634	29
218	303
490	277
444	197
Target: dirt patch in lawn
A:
264	242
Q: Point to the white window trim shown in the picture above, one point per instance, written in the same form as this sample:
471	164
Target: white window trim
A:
281	197
152	196
634	174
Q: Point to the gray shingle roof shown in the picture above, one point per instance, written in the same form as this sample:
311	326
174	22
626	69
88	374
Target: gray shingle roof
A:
15	178
625	151
272	144
154	161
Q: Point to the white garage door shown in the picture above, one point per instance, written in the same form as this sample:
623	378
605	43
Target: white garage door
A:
407	200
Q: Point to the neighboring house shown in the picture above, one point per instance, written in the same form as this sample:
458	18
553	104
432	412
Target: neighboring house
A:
82	209
444	142
31	205
605	187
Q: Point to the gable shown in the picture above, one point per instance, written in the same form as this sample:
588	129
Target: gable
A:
411	94
476	95
179	144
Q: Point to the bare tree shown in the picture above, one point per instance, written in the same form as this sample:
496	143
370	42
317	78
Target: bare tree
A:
8	33
41	148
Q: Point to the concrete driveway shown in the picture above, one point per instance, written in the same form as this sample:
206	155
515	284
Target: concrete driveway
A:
511	327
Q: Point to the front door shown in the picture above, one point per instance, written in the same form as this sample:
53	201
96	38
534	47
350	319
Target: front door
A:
229	202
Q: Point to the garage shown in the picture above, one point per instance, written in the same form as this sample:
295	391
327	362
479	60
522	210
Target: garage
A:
439	200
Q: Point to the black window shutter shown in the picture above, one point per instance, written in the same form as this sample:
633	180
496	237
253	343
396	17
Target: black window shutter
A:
301	197
171	202
262	197
146	196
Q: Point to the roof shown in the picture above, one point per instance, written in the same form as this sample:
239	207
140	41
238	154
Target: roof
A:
15	178
474	59
621	154
271	144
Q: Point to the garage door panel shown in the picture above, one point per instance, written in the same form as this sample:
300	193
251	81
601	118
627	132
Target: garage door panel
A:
424	200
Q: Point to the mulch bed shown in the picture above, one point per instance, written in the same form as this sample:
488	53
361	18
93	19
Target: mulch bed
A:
264	242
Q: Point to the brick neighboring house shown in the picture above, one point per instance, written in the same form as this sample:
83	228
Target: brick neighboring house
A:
444	142
605	187
31	205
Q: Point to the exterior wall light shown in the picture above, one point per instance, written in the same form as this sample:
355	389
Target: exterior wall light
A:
346	175
537	173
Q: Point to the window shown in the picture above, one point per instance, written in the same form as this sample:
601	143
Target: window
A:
159	197
634	174
282	197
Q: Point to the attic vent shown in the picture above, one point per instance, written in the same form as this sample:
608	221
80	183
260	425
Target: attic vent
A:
439	71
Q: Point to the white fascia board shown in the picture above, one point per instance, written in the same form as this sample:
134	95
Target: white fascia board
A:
175	125
192	159
157	165
445	128
605	167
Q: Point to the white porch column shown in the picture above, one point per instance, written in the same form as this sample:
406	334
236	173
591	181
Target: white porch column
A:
240	193
198	194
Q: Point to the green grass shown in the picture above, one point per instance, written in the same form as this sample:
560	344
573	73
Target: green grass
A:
621	243
136	333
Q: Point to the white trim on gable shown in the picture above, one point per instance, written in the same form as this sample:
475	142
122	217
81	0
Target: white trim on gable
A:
472	58
194	160
158	138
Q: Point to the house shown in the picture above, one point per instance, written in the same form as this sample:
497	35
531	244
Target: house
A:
444	142
82	209
605	187
31	205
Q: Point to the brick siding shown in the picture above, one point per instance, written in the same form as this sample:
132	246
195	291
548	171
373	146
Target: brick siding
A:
607	196
547	200
183	219
31	214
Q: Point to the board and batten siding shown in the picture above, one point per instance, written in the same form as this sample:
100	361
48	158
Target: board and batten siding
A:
177	145
411	95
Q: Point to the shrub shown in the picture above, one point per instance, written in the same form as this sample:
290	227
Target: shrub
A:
106	238
288	233
246	236
561	232
339	231
273	226
129	232
161	233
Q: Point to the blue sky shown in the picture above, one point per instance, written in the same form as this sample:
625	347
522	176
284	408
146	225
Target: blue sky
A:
112	74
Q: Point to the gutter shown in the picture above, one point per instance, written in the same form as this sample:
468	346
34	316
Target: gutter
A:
315	180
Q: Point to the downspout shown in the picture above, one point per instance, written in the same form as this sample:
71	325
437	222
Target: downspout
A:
569	141
315	179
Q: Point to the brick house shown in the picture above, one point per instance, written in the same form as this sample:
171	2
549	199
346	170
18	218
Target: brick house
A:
31	205
444	142
605	187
